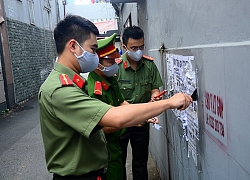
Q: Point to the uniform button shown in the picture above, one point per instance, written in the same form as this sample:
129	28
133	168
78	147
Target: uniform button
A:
124	88
136	95
136	84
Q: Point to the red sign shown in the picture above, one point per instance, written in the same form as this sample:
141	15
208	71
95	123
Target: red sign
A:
214	116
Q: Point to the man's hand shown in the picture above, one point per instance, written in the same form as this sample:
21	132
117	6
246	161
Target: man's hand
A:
153	120
156	96
180	101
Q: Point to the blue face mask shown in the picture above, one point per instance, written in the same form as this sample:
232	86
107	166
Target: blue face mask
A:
87	61
109	71
136	56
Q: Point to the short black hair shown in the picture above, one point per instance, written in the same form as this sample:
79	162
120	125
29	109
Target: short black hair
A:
133	32
73	27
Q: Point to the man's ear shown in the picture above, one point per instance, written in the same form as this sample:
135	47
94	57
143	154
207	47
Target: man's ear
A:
72	45
124	47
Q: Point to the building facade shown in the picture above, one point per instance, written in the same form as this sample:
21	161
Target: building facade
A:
27	48
214	38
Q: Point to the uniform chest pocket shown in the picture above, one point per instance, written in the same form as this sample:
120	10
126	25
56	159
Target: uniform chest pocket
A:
127	90
146	87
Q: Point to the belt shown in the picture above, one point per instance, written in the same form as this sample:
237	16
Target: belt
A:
99	172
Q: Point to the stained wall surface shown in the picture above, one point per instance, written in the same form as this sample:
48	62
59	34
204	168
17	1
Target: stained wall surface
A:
217	34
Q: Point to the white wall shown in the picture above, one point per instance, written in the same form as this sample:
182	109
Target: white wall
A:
217	34
18	10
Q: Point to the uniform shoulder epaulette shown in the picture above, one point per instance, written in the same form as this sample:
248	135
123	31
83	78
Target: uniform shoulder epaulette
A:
65	80
148	57
98	88
118	60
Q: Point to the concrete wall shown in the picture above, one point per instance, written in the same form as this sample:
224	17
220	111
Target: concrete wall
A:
32	52
217	34
28	49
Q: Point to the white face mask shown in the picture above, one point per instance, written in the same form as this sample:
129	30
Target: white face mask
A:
109	71
136	56
87	61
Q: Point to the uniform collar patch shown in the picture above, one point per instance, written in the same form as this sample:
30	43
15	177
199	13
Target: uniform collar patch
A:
125	64
78	81
105	85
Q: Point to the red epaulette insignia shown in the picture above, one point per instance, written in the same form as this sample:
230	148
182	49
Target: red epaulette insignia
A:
78	81
125	65
118	60
65	80
98	88
105	85
148	57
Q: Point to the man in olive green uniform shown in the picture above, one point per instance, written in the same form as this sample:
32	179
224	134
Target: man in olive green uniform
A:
73	147
103	85
139	81
71	121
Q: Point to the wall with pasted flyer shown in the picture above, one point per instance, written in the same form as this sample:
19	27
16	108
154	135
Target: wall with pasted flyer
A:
203	45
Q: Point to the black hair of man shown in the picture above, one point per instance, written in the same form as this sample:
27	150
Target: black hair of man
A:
73	27
133	32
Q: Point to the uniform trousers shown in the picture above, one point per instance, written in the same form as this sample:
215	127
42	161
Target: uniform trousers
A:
102	177
94	175
139	140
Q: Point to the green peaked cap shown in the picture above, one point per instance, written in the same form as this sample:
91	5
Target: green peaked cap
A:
106	47
102	43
